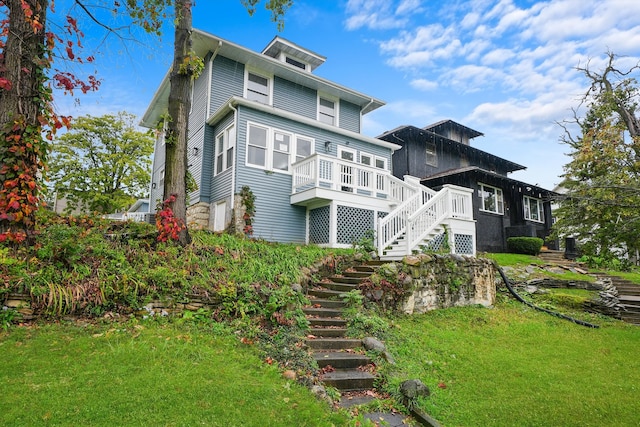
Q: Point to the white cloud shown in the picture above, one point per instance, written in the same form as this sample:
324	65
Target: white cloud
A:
423	84
379	14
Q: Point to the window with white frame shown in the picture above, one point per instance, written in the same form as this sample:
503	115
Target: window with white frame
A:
327	111
373	161
258	88
225	143
533	209
491	199
303	147
257	145
281	150
274	149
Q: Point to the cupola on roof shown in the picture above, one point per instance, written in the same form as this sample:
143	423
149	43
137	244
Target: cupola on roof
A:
292	54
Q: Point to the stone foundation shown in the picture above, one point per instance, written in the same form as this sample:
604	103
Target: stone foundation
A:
198	216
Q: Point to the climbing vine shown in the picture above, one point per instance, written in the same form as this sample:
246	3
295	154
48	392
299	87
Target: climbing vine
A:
248	202
27	118
167	224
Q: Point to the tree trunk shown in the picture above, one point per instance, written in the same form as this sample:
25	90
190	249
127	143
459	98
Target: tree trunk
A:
22	71
179	107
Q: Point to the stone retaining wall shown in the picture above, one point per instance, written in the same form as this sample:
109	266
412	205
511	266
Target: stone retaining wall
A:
442	281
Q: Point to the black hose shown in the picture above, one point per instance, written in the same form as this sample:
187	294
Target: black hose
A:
522	300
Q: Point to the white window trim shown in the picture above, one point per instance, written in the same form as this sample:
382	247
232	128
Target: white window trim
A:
269	77
481	189
371	156
294	155
384	160
343	149
270	147
527	209
229	143
336	108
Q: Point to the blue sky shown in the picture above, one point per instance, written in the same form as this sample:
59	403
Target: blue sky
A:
503	67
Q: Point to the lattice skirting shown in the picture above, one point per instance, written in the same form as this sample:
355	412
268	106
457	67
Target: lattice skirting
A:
463	244
319	225
353	223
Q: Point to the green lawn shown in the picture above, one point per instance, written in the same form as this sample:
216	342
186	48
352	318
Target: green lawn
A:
512	366
146	375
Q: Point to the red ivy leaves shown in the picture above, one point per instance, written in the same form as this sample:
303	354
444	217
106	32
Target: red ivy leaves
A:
5	84
168	226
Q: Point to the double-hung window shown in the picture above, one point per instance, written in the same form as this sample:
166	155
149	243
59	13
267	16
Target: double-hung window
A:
533	209
225	143
491	199
257	148
303	148
327	111
258	88
274	149
281	150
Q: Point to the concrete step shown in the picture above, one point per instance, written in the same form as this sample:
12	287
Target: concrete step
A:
327	303
333	343
357	274
340	359
342	287
346	279
328	332
322	312
325	293
348	379
324	321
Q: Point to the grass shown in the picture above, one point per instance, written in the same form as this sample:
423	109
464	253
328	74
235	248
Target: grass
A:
511	366
509	260
146	374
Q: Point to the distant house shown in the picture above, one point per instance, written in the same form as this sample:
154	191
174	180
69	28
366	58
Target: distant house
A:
441	154
264	121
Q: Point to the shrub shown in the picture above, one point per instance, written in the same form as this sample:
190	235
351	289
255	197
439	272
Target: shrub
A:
524	245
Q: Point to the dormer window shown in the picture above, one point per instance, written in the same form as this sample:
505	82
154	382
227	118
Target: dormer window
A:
295	63
258	88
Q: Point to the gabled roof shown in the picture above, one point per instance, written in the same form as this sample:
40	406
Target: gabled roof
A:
396	135
204	43
450	124
441	178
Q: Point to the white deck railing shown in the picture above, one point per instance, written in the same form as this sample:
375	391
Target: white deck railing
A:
419	209
418	216
321	171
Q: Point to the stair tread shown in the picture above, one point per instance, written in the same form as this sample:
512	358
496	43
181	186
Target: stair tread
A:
334	355
343	374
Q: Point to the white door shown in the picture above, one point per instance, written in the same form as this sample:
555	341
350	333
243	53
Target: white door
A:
219	223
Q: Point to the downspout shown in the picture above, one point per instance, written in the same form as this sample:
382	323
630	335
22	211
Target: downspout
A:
364	108
235	153
209	78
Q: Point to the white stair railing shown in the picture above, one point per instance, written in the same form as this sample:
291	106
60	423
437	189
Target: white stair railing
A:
422	214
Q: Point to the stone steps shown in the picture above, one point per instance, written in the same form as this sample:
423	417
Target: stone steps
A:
341	364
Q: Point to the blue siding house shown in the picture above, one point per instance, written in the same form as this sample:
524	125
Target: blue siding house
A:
265	121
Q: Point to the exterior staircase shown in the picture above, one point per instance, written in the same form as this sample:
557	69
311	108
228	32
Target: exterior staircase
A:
339	358
628	292
628	296
422	219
